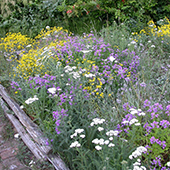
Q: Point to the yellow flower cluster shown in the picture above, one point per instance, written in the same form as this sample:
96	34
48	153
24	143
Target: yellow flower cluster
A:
95	86
14	42
30	64
34	52
45	33
160	31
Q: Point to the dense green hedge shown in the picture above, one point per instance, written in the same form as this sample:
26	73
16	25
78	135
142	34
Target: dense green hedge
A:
79	16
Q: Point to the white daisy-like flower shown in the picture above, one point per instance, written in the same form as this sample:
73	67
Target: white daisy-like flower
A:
101	141
89	75
132	121
52	90
47	27
21	107
141	114
106	142
111	138
168	164
31	100
98	147
97	121
16	135
133	42
74	67
73	135
111	58
82	136
137	124
100	129
92	124
85	51
125	122
79	130
136	164
111	145
133	111
75	144
28	46
112	133
95	141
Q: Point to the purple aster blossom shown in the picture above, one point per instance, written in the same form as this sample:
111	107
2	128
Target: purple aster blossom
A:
58	116
155	124
168	110
159	142
164	123
147	103
15	86
156	162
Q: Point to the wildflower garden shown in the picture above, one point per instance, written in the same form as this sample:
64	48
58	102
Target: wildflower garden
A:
102	100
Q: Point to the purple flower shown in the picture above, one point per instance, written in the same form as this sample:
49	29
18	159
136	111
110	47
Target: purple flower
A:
143	84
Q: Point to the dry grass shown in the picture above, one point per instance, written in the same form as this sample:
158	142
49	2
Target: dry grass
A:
5	9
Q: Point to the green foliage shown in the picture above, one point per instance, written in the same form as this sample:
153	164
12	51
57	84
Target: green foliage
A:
78	16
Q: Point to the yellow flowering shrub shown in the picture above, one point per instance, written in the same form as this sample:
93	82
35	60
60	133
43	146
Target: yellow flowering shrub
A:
34	53
160	31
14	42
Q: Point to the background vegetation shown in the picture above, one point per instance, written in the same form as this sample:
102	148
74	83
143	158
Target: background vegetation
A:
77	16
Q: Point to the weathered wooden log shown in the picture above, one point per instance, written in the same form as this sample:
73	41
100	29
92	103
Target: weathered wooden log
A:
57	162
33	131
35	149
31	127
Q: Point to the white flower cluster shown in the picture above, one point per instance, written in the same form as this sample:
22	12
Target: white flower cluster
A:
75	144
75	74
97	121
168	164
78	131
137	165
53	90
101	141
132	121
86	51
112	58
137	111
31	164
100	129
30	100
89	75
132	43
112	133
69	70
138	152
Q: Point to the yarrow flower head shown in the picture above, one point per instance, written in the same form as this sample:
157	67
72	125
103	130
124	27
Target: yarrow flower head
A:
75	144
31	100
97	121
52	90
138	152
77	131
